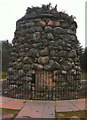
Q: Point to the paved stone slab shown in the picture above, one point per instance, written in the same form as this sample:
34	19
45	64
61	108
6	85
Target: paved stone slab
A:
13	104
66	105
82	100
75	118
63	103
0	98
0	101
41	109
32	109
74	101
5	99
37	109
48	103
79	104
49	112
66	108
2	80
34	118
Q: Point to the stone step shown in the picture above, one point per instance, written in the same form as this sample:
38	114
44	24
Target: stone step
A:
49	112
37	109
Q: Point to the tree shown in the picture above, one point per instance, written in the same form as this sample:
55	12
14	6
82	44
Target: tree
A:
81	54
6	55
83	57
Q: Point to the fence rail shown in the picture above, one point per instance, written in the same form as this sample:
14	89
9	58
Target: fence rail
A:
44	86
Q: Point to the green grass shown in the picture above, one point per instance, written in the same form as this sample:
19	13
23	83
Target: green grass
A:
10	111
81	114
4	75
84	77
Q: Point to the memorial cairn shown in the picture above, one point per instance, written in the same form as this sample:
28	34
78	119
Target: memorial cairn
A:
45	57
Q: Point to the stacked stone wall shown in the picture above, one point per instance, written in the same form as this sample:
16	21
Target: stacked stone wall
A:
45	40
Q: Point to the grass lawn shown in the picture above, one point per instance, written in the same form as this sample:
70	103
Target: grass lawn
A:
84	77
9	113
4	75
81	114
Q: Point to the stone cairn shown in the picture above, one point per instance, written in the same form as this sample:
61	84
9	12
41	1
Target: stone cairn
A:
45	57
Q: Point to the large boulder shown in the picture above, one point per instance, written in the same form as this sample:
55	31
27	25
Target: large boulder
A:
32	53
37	66
73	72
26	60
36	35
26	67
47	67
52	66
55	66
44	52
29	73
59	30
43	60
30	24
62	53
10	70
72	54
20	72
48	29
26	78
19	65
21	54
35	29
50	36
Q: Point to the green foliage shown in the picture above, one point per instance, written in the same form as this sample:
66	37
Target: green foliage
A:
83	76
4	75
6	55
83	58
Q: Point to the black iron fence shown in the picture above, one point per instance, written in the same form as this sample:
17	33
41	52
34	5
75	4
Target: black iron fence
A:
44	85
